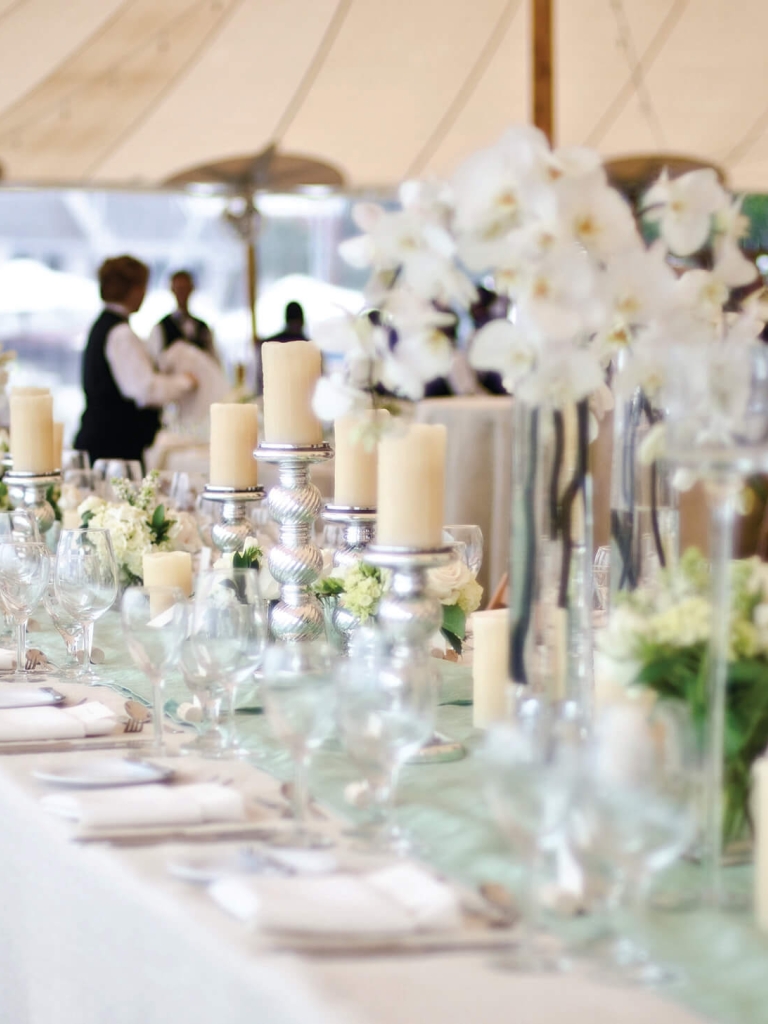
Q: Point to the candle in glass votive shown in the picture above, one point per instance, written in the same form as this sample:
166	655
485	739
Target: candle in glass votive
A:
168	569
58	444
234	435
356	458
490	666
291	372
760	805
32	433
411	487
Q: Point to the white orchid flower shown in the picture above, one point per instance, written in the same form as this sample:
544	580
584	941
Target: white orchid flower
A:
558	296
731	265
685	207
703	294
335	397
597	217
503	347
349	334
731	222
638	285
564	376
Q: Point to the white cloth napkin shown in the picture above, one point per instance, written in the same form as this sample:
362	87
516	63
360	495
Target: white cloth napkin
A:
7	660
46	723
148	806
397	900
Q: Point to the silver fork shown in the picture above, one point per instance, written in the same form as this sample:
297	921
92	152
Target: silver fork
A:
137	716
34	659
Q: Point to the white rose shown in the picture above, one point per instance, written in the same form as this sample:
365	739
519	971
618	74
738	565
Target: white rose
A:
446	582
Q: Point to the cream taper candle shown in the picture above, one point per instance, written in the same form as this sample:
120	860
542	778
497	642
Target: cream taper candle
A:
27	391
291	372
411	487
234	435
760	810
490	666
168	569
356	458
32	433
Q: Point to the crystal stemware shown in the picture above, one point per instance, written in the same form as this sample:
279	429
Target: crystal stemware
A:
73	458
227	637
472	539
18	524
107	470
70	629
154	625
386	712
299	699
86	582
24	572
204	683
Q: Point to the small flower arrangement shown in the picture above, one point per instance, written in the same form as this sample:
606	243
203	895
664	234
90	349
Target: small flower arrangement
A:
138	523
657	640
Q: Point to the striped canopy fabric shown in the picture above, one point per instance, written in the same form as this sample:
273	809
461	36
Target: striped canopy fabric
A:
134	92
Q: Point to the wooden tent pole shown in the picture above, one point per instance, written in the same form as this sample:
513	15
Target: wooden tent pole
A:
542	92
253	274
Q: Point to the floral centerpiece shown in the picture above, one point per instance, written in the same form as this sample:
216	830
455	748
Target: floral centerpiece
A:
359	588
138	523
657	641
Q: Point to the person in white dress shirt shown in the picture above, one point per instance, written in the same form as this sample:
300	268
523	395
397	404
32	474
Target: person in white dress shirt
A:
124	392
181	325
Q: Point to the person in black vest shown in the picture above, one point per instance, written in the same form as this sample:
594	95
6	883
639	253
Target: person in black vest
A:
124	393
181	325
294	325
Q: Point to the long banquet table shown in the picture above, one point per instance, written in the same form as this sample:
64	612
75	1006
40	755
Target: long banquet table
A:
103	933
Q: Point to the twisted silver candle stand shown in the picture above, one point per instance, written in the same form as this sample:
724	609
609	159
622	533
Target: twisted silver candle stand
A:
359	528
410	616
295	562
234	525
29	491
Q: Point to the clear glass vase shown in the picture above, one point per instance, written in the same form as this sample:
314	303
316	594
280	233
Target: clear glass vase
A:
551	553
644	513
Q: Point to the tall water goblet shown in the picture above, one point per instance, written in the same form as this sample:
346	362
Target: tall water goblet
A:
228	635
531	768
203	682
154	626
86	578
299	691
24	572
386	712
18	524
73	458
107	470
70	629
716	398
472	539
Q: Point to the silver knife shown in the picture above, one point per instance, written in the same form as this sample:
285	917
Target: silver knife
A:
63	746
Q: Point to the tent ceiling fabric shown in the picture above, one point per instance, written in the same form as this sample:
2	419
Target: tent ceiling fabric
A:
137	91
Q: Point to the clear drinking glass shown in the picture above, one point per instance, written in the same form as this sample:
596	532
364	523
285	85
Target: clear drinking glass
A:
86	582
635	816
385	715
228	635
107	470
209	690
299	699
73	458
532	776
24	571
69	628
186	488
154	626
472	539
601	578
18	524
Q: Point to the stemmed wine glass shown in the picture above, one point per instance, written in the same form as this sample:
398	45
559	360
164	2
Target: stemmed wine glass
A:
228	635
86	582
24	571
472	539
386	712
69	628
17	524
299	699
154	625
107	470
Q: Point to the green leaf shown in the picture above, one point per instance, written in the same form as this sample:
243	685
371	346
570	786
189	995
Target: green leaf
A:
331	586
455	641
454	621
250	558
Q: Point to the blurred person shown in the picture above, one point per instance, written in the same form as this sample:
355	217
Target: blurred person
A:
180	325
124	393
294	325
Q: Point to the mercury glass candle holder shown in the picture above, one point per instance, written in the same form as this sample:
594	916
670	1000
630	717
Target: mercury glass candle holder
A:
234	525
410	616
358	529
29	491
295	562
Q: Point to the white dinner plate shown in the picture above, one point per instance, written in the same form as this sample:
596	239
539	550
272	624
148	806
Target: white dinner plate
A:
29	697
104	772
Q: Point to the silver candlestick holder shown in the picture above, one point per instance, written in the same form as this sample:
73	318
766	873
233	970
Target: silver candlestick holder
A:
359	529
234	525
295	562
29	491
410	616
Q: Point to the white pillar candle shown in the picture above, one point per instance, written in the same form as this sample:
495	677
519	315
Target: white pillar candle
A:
58	444
356	458
760	805
168	569
291	372
234	435
24	391
490	666
411	487
32	433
